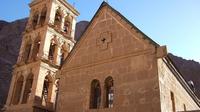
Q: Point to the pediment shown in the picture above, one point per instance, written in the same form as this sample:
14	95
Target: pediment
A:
109	36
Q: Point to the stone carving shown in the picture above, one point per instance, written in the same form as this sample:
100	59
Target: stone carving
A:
104	39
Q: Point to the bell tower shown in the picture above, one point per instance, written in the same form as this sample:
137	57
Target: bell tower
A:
47	40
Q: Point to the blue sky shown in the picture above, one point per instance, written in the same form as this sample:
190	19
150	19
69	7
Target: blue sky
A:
175	23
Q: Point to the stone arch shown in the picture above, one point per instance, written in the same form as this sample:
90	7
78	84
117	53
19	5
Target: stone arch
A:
35	19
47	88
95	94
27	49
58	18
53	49
64	52
17	90
43	16
36	47
108	92
28	87
68	24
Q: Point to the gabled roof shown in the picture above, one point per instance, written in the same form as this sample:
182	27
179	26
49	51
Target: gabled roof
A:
169	62
118	13
176	72
124	18
130	23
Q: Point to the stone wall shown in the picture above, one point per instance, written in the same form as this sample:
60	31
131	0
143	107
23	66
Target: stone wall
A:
129	59
169	83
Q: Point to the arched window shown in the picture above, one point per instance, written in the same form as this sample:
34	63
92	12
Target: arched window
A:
95	96
27	90
47	89
68	25
62	57
17	90
58	19
185	109
27	51
43	16
36	48
64	52
173	102
52	49
35	20
109	92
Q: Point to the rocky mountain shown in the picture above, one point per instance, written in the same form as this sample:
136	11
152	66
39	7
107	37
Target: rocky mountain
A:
3	23
190	71
80	28
10	41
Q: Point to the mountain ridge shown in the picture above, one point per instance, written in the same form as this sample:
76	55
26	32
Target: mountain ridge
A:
10	42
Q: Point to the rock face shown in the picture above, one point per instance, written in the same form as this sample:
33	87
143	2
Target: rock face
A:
2	24
80	28
10	41
190	70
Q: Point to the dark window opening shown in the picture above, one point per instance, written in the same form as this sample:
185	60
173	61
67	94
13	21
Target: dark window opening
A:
95	98
27	90
52	51
62	58
36	49
173	102
68	24
27	52
109	92
58	19
35	20
184	106
47	89
64	52
67	27
43	16
17	90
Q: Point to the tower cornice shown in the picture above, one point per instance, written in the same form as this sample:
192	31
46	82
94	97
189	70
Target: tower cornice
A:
70	7
62	2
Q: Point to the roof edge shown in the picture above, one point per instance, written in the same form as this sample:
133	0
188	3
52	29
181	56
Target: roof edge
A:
171	65
103	4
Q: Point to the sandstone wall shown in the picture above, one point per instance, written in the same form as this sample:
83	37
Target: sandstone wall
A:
169	83
127	57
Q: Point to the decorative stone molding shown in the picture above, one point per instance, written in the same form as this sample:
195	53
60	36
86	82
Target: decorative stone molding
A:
104	39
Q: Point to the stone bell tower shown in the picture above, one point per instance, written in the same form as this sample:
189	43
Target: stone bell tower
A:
47	40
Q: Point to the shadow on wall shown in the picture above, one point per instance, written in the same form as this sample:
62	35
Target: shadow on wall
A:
41	105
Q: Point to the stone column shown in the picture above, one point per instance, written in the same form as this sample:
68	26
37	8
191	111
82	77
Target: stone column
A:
22	92
62	23
12	85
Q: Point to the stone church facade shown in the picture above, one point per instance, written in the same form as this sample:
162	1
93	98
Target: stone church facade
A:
114	67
